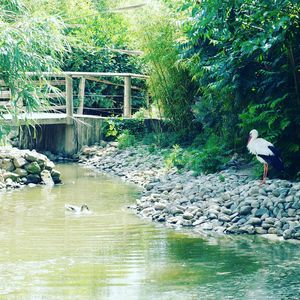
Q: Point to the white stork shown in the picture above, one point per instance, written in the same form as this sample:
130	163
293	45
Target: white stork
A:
265	152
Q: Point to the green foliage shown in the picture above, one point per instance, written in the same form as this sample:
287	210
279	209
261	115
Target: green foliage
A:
176	158
109	129
207	159
113	128
126	139
95	35
95	45
170	84
222	178
29	42
245	56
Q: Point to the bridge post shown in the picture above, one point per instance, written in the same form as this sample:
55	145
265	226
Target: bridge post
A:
69	100
81	95
127	97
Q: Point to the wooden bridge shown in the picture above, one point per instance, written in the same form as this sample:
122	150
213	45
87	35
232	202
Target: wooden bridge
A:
53	114
64	128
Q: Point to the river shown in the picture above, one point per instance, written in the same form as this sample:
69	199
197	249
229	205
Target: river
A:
48	253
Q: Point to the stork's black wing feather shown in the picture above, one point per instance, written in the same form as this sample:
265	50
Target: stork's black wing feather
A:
273	160
275	151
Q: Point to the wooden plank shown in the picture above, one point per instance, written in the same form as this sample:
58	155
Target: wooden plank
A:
111	83
127	97
69	100
35	118
84	74
54	107
81	95
5	94
56	82
56	95
50	82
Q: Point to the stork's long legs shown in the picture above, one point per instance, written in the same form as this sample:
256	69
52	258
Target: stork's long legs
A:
266	168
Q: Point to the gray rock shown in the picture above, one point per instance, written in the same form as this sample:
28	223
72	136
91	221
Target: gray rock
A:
272	230
161	218
206	226
55	176
33	178
7	165
46	178
261	211
284	192
254	191
226	211
201	220
291	212
159	206
31	156
288	233
10	175
270	220
33	168
276	193
249	229
176	211
187	216
186	223
296	205
289	198
225	196
148	211
245	210
233	229
265	225
211	216
173	220
19	161
224	218
21	172
260	230
254	221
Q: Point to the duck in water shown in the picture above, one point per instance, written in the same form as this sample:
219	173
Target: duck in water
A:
77	209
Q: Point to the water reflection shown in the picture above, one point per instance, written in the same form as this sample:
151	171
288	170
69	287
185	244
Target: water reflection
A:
112	254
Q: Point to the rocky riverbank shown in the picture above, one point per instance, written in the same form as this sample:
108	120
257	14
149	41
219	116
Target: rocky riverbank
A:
228	202
21	167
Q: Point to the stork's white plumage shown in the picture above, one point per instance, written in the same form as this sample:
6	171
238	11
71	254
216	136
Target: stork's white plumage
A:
265	152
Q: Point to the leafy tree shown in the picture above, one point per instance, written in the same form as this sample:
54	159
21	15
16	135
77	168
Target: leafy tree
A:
29	42
170	85
245	56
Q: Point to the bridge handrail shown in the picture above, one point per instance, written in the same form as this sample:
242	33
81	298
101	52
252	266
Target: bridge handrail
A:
69	75
83	74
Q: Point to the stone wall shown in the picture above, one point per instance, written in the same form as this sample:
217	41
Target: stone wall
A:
19	167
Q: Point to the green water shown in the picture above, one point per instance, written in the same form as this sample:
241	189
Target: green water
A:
112	254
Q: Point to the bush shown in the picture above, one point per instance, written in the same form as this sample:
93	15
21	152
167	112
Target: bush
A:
208	159
245	57
112	128
126	139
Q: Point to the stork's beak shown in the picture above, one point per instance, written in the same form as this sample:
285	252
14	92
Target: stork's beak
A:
249	139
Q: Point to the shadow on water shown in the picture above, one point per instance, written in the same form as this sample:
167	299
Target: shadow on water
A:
112	254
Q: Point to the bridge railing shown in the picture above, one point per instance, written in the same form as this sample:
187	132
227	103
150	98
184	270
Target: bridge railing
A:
65	81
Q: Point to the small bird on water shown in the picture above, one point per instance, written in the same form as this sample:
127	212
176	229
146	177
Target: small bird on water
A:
77	209
265	153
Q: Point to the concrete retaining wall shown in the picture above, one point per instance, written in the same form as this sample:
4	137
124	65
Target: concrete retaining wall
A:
61	138
68	139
